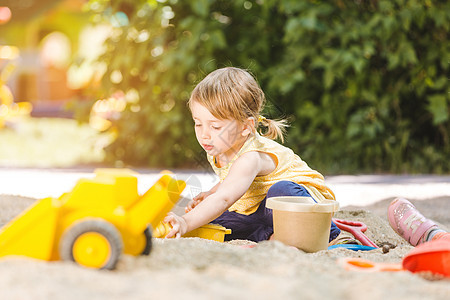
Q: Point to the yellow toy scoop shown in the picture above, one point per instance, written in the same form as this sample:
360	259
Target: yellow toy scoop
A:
213	232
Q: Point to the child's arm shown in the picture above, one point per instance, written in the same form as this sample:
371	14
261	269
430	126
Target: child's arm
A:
197	199
241	175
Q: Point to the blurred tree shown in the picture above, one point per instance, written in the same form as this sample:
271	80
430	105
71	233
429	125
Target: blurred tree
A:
364	82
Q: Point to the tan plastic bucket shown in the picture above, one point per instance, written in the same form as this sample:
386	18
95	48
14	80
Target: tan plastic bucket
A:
301	222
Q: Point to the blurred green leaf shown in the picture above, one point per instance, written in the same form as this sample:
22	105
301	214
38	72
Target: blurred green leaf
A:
439	108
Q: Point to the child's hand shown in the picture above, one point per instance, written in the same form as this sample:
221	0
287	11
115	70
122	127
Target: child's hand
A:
179	226
196	200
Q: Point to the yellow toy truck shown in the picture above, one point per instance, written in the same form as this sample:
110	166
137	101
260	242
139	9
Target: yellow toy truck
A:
94	223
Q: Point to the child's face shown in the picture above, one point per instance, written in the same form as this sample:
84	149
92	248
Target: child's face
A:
216	136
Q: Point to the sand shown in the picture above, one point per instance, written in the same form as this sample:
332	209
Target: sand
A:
192	268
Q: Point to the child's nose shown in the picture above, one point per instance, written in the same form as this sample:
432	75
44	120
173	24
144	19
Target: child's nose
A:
205	133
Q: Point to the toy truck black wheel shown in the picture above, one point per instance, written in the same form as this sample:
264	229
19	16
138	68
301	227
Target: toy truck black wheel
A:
92	243
148	241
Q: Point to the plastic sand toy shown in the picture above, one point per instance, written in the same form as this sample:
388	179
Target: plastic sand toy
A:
311	220
95	223
357	229
213	232
433	257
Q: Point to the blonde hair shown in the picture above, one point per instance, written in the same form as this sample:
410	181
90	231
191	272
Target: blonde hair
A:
233	93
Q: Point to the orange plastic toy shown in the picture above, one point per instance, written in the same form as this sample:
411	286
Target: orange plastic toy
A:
360	264
431	257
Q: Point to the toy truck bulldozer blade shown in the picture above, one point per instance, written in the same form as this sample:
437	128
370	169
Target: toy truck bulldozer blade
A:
95	223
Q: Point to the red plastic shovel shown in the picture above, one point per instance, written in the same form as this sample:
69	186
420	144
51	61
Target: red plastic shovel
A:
357	229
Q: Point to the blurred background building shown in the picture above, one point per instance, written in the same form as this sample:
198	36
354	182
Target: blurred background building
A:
48	45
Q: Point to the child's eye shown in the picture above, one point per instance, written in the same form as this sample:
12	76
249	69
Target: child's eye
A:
216	127
198	125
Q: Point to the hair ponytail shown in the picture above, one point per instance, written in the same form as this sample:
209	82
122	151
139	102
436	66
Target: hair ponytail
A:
275	128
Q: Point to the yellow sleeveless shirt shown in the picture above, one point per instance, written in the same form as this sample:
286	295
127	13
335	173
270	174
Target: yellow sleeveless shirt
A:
289	167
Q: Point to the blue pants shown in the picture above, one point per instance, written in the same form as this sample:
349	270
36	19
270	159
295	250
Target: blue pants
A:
258	226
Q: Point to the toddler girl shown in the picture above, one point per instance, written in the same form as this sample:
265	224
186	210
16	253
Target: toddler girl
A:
226	107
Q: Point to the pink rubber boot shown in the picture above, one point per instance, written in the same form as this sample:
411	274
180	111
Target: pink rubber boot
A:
408	222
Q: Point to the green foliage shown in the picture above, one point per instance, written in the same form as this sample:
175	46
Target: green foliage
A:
365	83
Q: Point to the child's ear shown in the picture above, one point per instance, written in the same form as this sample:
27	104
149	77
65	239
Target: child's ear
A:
249	126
